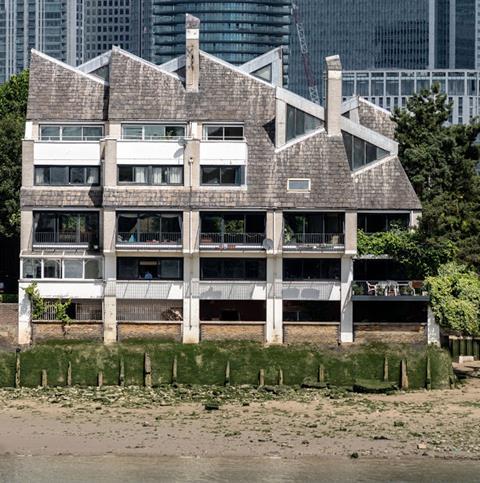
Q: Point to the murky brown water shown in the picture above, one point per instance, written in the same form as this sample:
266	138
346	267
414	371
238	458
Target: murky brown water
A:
116	469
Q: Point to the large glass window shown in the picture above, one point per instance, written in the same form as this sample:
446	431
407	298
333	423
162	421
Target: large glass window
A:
311	269
227	132
222	175
150	175
67	175
65	227
153	132
299	122
360	152
232	228
233	269
38	268
149	227
380	222
150	268
71	133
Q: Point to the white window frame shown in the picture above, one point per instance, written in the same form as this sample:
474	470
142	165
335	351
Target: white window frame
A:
62	126
223	125
299	190
62	268
142	125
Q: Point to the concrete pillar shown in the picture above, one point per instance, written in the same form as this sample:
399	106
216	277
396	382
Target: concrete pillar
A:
191	301
191	162
27	163
110	314
346	305
110	277
351	233
280	123
433	329
192	54
24	318
274	323
274	231
333	105
26	229
109	162
109	231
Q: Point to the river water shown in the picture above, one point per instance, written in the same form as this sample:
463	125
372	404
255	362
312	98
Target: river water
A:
117	469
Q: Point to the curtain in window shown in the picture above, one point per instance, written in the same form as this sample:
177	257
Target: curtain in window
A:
157	175
140	175
176	175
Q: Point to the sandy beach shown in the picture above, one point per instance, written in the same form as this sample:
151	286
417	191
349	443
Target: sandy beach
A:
289	424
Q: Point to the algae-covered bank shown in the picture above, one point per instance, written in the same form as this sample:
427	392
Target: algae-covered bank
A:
208	363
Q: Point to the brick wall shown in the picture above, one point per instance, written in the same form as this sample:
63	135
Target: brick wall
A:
8	324
73	331
135	330
243	331
318	334
391	333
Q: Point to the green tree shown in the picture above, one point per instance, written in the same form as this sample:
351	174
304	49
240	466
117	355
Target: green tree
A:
13	108
440	160
455	298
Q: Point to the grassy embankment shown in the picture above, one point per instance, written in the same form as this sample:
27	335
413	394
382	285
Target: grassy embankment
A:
205	363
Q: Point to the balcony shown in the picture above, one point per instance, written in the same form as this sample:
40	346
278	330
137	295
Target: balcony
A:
71	240
232	290
155	240
67	152
311	290
382	290
232	241
314	241
149	290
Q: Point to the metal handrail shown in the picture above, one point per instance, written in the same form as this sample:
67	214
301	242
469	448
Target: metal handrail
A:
150	237
398	288
232	238
62	237
332	239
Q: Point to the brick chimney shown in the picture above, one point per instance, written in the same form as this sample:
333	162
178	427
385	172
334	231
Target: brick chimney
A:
192	53
333	106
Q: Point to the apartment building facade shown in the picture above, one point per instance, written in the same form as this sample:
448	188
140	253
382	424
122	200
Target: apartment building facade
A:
198	200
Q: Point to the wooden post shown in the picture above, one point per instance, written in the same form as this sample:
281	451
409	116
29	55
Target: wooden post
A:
261	377
44	381
428	380
100	379
227	374
385	369
280	377
403	375
17	369
174	370
121	375
147	371
69	374
321	373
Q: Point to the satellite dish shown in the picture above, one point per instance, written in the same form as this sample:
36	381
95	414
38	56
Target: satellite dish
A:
183	142
267	244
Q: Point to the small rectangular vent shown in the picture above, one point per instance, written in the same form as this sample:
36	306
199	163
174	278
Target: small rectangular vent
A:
298	184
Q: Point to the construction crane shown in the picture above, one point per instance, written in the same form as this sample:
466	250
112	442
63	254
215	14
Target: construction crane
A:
312	84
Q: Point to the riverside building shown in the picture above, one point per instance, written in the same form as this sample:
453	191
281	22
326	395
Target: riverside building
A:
197	200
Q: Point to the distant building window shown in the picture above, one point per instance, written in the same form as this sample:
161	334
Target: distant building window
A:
298	184
67	175
222	175
150	175
152	132
71	133
299	123
223	133
360	152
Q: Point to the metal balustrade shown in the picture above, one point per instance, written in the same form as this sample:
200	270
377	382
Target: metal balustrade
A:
311	290
170	238
230	290
151	289
48	237
389	288
255	239
320	240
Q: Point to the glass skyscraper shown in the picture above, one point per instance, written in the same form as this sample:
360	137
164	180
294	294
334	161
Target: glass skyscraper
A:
234	31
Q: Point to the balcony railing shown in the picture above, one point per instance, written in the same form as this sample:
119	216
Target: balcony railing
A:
230	290
329	241
149	238
389	288
310	290
48	237
235	239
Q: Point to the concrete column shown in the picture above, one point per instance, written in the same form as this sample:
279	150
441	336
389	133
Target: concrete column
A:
110	315
191	302
109	231
191	162
109	162
433	329
274	231
274	323
333	105
110	277
280	123
350	233
346	305
27	163
192	54
24	318
26	229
